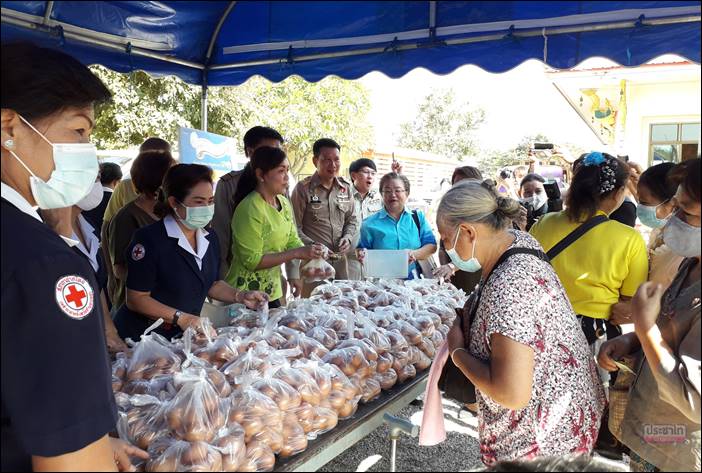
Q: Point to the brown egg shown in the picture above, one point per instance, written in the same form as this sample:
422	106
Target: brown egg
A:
259	457
175	418
295	439
423	362
219	382
347	410
305	412
237	414
196	454
233	450
406	373
164	463
388	379
325	419
271	437
384	362
370	389
252	427
337	400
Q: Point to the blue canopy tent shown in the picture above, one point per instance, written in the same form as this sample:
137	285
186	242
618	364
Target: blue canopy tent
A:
225	43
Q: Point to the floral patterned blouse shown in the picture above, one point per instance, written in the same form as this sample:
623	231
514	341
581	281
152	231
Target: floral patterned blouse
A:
525	301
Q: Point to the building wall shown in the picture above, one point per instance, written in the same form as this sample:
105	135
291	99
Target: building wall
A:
424	171
674	102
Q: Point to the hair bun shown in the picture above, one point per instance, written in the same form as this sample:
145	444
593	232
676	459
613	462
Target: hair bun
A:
507	207
503	202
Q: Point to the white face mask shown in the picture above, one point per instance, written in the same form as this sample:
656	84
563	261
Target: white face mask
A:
93	199
537	200
75	170
682	238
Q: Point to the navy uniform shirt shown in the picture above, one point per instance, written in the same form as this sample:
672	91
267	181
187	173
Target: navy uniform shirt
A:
161	261
56	378
96	216
92	252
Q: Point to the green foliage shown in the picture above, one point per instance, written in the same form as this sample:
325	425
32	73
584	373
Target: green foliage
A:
141	107
303	112
443	126
492	161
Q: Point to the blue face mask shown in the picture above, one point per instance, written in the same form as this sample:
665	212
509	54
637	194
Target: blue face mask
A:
470	266
647	216
75	170
197	217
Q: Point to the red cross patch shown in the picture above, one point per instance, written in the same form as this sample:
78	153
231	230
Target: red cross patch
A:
138	252
75	297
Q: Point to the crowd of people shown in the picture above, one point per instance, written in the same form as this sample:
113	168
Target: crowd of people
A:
541	338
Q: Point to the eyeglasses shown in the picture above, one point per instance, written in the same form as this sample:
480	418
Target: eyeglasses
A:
367	173
394	191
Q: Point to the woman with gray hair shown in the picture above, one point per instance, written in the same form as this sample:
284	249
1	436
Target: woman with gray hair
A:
518	340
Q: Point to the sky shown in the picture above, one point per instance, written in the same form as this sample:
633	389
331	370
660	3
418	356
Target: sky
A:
517	103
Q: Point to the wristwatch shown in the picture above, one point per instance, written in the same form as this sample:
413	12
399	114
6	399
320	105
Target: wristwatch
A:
176	316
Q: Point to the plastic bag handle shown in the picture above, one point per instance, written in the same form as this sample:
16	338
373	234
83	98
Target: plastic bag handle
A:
153	327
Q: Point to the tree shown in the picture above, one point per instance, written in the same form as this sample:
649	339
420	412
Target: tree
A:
492	161
302	111
443	126
143	106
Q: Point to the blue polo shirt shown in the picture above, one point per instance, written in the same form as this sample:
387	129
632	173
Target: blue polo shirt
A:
382	232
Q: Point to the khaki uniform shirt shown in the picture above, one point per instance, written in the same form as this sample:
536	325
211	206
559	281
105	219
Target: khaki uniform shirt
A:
222	219
662	420
326	216
365	207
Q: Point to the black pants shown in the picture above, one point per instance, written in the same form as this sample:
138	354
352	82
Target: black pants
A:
595	329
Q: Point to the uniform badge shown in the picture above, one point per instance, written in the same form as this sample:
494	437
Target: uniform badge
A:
75	297
138	252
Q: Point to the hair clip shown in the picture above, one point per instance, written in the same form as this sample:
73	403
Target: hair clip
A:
594	159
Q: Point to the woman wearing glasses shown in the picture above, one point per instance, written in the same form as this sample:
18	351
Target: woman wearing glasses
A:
395	227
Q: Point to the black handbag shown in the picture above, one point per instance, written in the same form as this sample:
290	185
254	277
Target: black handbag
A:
452	381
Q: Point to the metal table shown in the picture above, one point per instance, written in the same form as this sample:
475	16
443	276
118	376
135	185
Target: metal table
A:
369	417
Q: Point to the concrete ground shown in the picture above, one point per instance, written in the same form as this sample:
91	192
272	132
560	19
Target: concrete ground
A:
459	452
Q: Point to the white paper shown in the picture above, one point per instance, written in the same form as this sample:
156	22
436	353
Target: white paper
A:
388	264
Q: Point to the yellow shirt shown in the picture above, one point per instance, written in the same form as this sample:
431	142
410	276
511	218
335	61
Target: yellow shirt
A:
607	262
123	194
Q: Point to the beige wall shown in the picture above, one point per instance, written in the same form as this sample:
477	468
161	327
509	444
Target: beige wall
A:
675	102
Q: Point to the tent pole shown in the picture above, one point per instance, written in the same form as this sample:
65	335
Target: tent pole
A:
203	108
47	13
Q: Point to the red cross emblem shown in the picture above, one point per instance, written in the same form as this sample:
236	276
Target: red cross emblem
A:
138	252
75	297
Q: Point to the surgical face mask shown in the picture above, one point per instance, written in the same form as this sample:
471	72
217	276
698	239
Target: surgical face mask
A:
197	217
682	238
93	199
537	200
647	215
470	266
75	170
